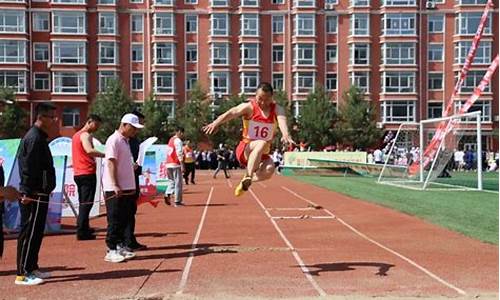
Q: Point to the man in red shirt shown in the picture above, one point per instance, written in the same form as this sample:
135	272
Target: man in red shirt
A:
261	115
84	169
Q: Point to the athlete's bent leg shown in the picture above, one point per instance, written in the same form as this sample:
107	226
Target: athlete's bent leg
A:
265	171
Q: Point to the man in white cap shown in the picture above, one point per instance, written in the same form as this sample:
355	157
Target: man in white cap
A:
119	186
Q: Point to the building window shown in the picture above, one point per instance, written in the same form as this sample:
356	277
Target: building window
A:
471	2
136	1
41	82
164	53
331	24
304	24
71	117
249	54
253	3
190	1
304	54
398	111
360	54
398	82
468	22
278	1
41	21
249	82
278	81
105	79
435	81
357	3
278	24
278	53
399	24
331	53
191	79
192	53
69	22
483	106
220	82
12	51
12	21
137	52
219	2
107	23
435	23
304	3
435	52
164	82
250	24
13	79
434	110
70	82
304	82
108	53
164	24
69	1
69	52
360	24
191	23
220	24
483	52
472	81
41	51
399	3
398	53
137	81
361	80
106	2
331	82
164	2
220	54
137	23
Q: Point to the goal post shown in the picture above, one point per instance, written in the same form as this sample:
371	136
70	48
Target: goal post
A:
438	168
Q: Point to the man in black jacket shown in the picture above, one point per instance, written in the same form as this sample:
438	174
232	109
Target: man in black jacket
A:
38	180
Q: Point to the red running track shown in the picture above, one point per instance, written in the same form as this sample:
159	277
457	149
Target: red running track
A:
283	239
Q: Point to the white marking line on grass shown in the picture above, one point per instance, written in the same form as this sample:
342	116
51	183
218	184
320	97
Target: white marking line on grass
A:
189	261
411	262
299	260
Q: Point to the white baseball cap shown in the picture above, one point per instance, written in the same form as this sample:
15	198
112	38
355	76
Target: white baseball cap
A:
132	120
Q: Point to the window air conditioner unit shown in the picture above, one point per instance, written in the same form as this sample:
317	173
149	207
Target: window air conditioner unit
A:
380	125
329	6
430	4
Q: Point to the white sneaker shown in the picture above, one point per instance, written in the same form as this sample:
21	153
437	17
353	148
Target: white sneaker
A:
125	253
113	256
40	274
29	279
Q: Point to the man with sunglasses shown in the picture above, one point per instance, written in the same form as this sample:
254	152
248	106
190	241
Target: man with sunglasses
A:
38	180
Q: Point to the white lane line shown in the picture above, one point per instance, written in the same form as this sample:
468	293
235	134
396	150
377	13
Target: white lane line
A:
302	217
187	267
261	184
299	260
229	183
408	260
289	208
300	197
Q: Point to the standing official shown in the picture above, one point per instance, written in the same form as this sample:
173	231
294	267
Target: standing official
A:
189	162
175	167
119	186
84	170
38	180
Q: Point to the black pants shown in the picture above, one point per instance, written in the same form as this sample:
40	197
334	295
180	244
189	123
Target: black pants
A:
222	165
33	217
189	169
86	191
129	232
117	214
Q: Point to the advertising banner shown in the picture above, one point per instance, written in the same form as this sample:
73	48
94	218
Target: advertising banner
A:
302	158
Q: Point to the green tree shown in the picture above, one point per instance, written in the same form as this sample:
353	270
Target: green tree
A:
194	114
13	123
357	124
281	98
316	119
229	133
111	105
158	121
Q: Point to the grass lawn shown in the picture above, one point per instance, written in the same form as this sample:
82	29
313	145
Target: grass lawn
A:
474	214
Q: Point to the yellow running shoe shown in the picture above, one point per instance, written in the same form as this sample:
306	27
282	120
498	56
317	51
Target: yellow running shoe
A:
243	186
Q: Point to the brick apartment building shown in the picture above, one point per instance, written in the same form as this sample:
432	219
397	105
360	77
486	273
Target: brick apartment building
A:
405	54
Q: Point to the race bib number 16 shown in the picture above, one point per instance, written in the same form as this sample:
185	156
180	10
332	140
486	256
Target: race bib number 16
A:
260	131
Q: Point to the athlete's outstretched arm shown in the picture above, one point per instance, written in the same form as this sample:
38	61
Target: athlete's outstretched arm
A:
286	138
235	112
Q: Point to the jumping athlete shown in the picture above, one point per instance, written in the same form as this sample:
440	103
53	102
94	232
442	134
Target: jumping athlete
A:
261	115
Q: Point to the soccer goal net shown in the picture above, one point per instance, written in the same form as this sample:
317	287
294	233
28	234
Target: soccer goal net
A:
438	154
